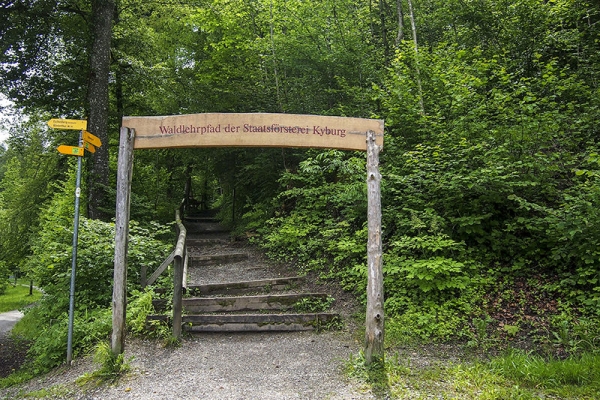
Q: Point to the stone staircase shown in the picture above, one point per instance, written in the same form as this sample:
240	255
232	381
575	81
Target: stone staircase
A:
230	288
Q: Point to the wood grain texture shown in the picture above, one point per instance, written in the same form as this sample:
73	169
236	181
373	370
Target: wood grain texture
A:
374	332
253	130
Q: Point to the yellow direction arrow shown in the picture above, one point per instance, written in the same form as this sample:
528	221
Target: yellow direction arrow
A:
74	124
71	150
91	139
89	147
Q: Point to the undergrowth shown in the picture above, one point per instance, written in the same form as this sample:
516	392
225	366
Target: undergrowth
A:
90	335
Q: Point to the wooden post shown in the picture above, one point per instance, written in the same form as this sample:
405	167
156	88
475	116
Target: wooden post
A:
374	348
178	261
177	295
144	276
119	306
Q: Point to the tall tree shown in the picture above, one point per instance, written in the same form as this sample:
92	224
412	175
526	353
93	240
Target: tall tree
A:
103	12
50	49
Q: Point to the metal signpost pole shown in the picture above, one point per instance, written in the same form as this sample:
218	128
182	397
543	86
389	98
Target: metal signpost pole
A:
74	257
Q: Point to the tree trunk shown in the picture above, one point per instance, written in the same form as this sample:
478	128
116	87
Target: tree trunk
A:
417	68
279	102
102	18
384	41
400	36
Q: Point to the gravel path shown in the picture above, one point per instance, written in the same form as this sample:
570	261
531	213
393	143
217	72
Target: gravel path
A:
294	365
299	365
8	320
240	366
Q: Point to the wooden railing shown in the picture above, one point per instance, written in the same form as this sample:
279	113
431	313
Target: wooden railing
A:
179	271
179	258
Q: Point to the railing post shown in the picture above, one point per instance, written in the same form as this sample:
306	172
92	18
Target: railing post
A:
177	295
178	266
144	276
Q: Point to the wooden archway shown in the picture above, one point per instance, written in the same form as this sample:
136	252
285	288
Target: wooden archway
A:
253	130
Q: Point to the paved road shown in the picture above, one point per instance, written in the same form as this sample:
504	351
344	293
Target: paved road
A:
8	320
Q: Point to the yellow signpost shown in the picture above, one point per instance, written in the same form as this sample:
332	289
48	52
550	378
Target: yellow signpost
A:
88	142
68	124
91	139
89	147
71	150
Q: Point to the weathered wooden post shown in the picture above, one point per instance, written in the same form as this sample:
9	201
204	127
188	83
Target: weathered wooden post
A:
119	306
374	348
144	276
178	260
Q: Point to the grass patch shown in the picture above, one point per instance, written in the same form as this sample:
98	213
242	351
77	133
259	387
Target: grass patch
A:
27	328
514	376
581	371
16	297
16	378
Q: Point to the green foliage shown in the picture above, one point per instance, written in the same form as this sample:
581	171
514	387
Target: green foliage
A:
52	256
495	176
112	366
49	347
308	305
50	264
575	335
324	226
27	174
516	375
375	374
139	307
534	371
422	322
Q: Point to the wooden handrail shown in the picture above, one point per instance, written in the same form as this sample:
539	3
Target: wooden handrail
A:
179	259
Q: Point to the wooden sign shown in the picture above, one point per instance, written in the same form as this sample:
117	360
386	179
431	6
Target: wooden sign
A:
68	124
253	130
71	150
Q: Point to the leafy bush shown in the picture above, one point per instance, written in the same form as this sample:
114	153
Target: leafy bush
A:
111	366
50	264
49	347
320	218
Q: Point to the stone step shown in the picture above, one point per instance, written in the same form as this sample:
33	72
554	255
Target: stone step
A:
216	259
254	322
212	213
193	241
262	285
204	227
200	218
242	303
